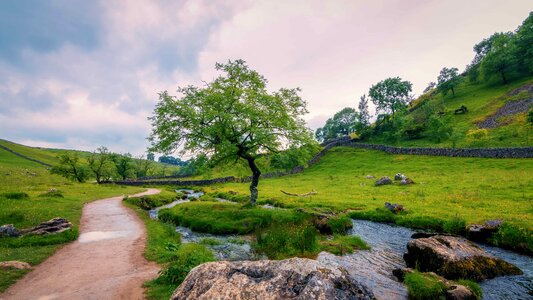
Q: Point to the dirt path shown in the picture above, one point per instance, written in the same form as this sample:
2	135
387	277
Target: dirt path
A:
106	262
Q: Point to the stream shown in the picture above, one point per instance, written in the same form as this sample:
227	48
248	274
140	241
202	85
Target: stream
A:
374	267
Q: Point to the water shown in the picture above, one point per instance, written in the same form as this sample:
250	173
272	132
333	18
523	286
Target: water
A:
189	194
374	267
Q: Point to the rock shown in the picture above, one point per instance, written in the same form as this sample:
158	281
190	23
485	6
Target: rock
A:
14	264
454	258
453	291
320	221
395	208
383	180
420	235
370	176
482	233
53	226
399	176
295	278
9	230
406	181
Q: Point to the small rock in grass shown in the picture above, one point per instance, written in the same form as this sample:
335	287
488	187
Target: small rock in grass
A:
406	181
56	225
395	208
383	181
14	264
370	176
399	176
8	230
482	233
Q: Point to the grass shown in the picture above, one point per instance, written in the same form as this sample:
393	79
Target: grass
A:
343	244
25	202
482	100
153	201
424	286
224	218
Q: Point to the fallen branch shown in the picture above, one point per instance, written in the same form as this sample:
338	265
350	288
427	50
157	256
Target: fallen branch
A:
299	195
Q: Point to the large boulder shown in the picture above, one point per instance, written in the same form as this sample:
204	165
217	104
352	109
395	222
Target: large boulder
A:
454	258
8	230
295	278
383	181
56	225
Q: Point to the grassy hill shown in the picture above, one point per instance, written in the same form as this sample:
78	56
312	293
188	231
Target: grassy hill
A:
482	101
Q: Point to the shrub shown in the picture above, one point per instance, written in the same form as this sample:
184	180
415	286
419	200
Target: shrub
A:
152	201
378	215
188	256
284	240
423	286
209	241
477	134
340	224
15	195
513	237
455	225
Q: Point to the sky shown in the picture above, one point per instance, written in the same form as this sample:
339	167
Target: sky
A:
79	74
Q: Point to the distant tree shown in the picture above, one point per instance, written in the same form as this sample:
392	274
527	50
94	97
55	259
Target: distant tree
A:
362	109
390	95
150	156
143	166
341	124
232	117
500	59
448	80
524	48
100	164
430	86
124	165
71	167
166	159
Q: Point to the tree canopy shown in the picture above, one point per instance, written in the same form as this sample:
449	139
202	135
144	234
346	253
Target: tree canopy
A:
448	80
390	95
341	124
232	117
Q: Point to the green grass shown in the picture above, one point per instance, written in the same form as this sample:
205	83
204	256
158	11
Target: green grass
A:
153	201
25	202
343	244
482	100
424	286
224	218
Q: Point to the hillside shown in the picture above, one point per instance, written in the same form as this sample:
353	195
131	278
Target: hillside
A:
504	106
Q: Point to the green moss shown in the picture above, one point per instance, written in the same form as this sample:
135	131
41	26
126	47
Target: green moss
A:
473	286
152	201
343	244
455	225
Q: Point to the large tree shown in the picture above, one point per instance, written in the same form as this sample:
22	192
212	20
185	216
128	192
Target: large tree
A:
448	80
364	113
341	124
124	165
70	167
500	59
232	117
390	95
100	164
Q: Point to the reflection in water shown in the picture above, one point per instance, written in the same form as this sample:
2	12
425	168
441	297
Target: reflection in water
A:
189	194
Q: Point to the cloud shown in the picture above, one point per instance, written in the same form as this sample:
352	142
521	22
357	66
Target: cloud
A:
80	74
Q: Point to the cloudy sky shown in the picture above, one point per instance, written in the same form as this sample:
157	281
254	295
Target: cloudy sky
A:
80	74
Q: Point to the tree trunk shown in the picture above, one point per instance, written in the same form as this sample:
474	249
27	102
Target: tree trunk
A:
453	92
255	180
503	78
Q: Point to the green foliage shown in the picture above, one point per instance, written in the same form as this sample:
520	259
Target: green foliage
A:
511	236
439	129
152	201
209	241
187	257
477	134
342	124
143	167
124	165
100	164
456	225
284	240
448	80
364	116
424	286
292	157
473	286
221	218
340	225
500	60
54	193
70	167
15	195
343	244
390	95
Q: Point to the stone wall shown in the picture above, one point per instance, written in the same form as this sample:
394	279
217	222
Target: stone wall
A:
24	156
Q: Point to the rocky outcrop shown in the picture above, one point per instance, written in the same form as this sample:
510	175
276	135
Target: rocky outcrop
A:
455	258
395	208
383	181
14	264
9	230
56	225
453	291
406	181
399	176
295	278
481	233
